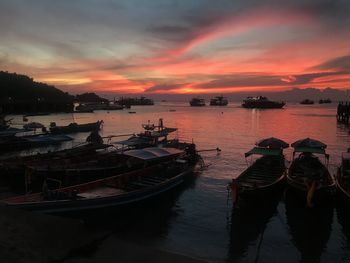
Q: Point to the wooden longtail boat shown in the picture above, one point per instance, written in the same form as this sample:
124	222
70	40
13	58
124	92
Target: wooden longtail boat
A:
265	174
124	189
307	174
76	170
343	177
74	127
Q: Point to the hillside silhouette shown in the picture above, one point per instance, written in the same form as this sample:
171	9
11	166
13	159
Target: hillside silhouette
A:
21	94
90	97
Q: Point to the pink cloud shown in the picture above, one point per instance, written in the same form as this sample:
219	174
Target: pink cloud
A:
260	18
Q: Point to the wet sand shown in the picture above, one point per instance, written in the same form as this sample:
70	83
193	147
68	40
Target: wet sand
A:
117	250
31	237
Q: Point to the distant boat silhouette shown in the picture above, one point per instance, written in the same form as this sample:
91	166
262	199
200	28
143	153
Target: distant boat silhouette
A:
218	101
261	102
321	101
307	102
197	102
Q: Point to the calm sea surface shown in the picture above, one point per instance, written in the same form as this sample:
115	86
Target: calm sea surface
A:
199	221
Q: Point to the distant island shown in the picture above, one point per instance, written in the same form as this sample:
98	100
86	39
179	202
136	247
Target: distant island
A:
90	97
21	94
128	101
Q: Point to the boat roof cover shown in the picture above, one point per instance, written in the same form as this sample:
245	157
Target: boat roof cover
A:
133	141
310	150
263	151
272	142
309	143
153	153
49	138
163	132
12	131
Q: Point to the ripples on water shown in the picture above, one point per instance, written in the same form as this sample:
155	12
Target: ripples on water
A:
198	221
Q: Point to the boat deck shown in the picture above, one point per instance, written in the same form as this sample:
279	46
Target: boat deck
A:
264	171
101	192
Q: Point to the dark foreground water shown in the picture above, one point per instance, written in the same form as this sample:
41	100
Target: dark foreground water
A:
198	220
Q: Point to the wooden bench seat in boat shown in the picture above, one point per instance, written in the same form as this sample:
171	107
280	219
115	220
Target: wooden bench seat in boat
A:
101	192
154	180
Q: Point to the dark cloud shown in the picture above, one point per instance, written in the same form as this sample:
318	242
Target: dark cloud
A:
169	32
160	87
261	80
339	63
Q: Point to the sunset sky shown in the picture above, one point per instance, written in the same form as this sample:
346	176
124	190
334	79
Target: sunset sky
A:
184	46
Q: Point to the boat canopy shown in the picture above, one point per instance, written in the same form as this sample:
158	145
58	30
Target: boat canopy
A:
264	151
12	131
272	142
133	141
49	138
152	153
309	143
311	150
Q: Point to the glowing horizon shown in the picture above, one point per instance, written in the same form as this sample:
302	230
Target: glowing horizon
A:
176	47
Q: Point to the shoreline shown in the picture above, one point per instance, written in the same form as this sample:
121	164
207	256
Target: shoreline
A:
33	237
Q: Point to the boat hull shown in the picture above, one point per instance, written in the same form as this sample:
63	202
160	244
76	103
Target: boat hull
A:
193	104
74	128
321	194
129	198
272	189
269	105
264	177
343	191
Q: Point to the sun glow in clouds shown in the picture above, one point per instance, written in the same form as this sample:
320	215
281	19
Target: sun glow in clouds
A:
216	46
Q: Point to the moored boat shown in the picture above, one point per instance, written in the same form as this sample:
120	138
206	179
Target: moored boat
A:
30	174
197	102
343	177
322	101
116	191
90	107
92	161
75	127
128	101
307	174
261	102
152	135
11	142
307	102
265	174
218	101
